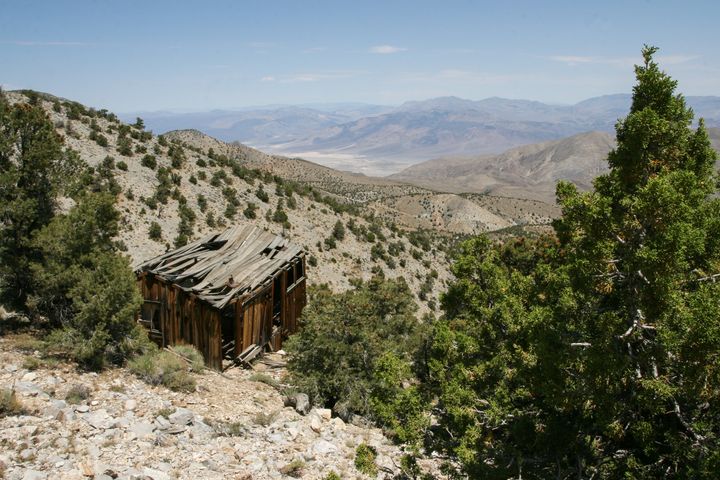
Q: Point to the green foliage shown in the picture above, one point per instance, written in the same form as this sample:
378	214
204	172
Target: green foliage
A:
98	138
230	211
210	220
365	457
177	155
194	357
31	363
279	215
266	379
33	170
77	394
9	404
155	232
218	177
124	146
87	288
355	349
250	211
187	221
329	243
121	165
149	161
163	368
293	469
202	202
339	231
598	357
261	194
332	476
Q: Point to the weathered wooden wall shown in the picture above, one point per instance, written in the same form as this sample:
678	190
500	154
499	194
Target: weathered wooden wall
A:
177	318
174	316
254	320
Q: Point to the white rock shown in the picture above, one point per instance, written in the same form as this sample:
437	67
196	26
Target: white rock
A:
323	447
315	423
100	419
28	454
182	416
130	405
302	404
142	429
34	475
325	413
156	474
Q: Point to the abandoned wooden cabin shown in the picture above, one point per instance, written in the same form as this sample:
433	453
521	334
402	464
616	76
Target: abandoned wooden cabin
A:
228	294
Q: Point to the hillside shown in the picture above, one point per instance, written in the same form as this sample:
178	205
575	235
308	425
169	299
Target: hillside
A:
399	203
127	429
216	197
530	171
384	140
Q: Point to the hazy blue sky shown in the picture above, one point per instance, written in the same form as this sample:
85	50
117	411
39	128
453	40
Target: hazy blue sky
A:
149	55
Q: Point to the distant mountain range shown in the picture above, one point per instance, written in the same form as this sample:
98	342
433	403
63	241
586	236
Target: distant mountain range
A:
529	172
375	139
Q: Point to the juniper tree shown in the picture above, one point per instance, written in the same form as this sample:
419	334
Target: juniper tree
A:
33	167
600	358
641	249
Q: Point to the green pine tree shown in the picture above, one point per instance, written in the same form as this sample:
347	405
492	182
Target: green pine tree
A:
598	358
33	169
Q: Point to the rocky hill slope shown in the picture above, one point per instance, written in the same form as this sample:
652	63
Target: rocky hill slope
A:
530	171
153	192
408	206
70	425
187	182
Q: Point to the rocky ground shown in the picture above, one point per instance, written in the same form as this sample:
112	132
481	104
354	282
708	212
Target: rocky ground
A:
234	426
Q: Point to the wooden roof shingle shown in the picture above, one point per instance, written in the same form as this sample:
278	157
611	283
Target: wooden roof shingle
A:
220	267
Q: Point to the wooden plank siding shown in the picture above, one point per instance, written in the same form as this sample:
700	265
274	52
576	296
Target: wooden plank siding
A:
177	316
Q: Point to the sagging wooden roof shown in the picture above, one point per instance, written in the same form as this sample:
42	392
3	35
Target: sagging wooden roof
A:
221	267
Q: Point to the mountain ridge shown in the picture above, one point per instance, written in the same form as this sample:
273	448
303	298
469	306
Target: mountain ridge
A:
389	139
529	171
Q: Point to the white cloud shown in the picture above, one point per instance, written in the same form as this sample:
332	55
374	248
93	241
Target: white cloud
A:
675	59
573	60
30	43
459	77
386	49
307	77
261	45
314	50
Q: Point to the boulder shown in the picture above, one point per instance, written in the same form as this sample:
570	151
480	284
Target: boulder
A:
182	416
323	447
342	410
302	403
